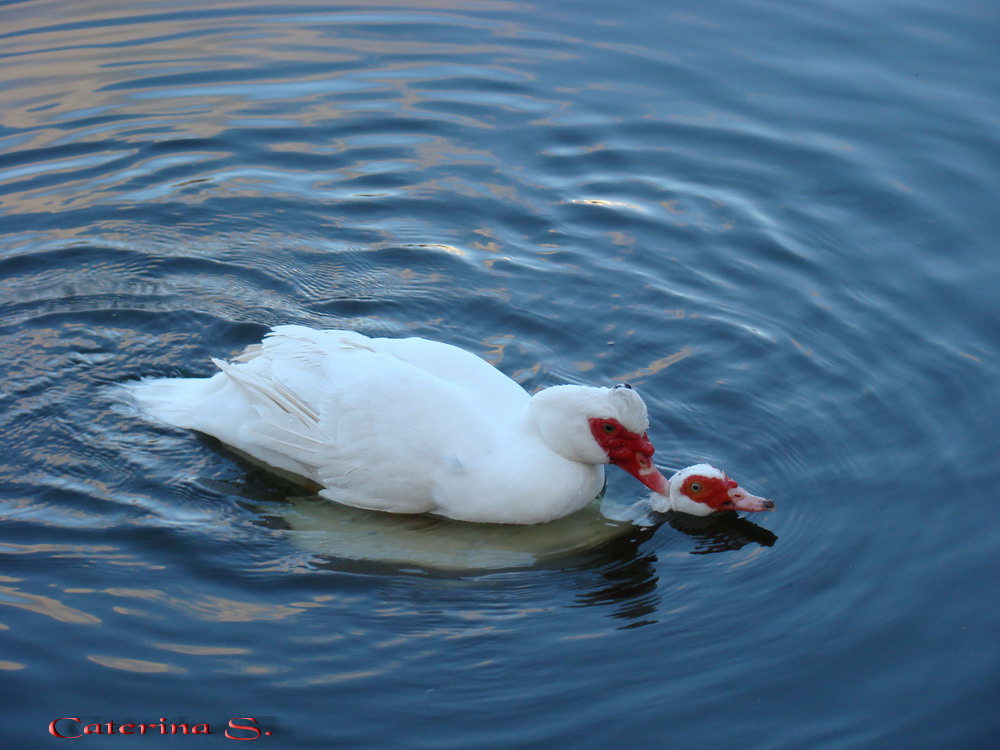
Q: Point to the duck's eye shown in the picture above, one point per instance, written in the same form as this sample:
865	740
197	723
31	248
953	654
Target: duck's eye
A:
695	487
609	427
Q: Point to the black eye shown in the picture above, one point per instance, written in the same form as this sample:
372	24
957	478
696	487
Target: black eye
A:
695	487
624	385
609	427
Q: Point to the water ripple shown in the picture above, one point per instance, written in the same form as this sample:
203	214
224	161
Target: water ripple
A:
791	261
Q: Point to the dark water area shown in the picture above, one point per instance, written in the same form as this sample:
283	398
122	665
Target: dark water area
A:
777	220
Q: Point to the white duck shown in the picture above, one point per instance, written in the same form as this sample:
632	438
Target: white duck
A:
412	426
702	490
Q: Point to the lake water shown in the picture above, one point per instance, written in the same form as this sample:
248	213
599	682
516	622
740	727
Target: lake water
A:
777	220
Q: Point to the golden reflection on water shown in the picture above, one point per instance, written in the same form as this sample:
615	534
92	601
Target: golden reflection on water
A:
134	665
497	348
333	679
182	648
656	366
213	608
64	551
129	612
45	605
173	76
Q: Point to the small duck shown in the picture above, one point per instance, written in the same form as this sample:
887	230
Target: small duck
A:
702	489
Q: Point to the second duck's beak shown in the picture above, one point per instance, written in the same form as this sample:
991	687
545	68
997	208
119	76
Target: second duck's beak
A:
743	500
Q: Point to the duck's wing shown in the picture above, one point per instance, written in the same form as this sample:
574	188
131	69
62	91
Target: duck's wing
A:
327	353
460	368
373	425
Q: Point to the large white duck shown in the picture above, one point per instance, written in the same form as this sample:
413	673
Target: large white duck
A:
412	426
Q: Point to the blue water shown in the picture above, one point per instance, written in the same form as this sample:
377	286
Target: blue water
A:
777	220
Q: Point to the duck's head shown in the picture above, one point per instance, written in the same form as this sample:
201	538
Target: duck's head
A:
599	426
702	490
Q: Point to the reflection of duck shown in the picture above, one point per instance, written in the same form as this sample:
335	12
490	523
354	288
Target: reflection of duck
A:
720	532
628	574
605	536
412	426
338	534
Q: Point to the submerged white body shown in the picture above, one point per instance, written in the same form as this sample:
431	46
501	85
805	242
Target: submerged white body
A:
401	425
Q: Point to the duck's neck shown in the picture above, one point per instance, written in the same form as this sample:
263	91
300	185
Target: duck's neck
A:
555	416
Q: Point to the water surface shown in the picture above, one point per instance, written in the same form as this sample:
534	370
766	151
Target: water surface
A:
776	220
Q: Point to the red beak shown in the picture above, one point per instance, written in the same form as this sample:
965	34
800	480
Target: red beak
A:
637	460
